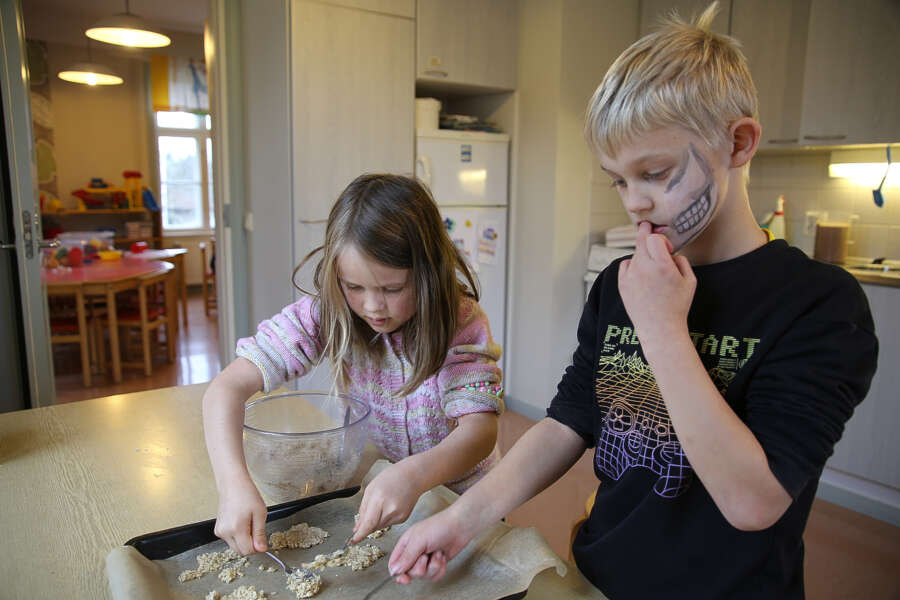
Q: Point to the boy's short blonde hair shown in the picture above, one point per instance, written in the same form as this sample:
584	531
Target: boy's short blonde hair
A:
680	75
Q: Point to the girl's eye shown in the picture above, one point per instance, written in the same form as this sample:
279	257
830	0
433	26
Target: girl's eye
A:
617	183
393	290
352	288
657	176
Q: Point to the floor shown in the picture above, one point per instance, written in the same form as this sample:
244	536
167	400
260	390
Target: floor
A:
848	555
196	361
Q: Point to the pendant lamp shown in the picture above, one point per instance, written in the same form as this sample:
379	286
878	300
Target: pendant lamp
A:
126	29
90	73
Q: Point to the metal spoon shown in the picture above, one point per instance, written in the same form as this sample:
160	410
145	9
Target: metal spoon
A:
288	570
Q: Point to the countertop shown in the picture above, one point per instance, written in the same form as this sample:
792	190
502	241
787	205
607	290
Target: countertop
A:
80	479
888	278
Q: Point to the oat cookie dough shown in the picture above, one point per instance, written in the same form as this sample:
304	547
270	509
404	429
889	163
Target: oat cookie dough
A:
357	557
229	574
245	592
209	562
304	586
375	534
301	535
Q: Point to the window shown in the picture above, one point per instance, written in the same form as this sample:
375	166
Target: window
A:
185	171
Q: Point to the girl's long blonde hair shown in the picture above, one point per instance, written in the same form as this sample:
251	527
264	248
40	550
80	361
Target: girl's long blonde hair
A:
394	220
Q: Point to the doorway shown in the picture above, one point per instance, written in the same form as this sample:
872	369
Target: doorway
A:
88	139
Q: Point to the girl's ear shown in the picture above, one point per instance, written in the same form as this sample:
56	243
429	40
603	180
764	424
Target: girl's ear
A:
745	134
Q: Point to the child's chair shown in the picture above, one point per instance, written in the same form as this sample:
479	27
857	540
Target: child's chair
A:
152	308
68	324
588	505
209	275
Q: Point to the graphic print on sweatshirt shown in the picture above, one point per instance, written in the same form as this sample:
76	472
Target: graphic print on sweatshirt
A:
636	431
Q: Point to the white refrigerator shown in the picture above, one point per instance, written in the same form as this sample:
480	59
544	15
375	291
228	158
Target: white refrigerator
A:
468	175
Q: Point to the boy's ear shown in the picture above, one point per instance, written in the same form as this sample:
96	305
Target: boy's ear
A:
745	134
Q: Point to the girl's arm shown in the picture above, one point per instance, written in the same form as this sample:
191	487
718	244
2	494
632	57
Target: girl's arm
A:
241	516
390	497
539	458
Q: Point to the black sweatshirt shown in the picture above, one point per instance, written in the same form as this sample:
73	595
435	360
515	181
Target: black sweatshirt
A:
790	344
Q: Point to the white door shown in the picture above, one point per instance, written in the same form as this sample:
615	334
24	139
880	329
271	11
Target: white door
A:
23	306
352	106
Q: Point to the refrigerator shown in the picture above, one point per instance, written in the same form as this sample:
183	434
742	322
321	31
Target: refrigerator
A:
468	174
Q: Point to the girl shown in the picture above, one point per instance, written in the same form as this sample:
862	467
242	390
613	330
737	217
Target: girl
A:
401	331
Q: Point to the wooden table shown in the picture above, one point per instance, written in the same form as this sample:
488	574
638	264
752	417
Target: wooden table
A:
80	479
176	257
105	279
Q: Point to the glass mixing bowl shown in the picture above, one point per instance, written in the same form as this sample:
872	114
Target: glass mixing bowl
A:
300	444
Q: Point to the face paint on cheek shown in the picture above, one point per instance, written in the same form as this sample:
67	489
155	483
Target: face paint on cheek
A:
694	195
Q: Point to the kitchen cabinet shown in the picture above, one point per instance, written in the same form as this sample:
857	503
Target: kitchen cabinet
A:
653	10
400	8
824	69
467	43
870	445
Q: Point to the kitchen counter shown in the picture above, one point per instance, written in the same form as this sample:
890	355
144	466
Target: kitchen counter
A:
889	278
80	479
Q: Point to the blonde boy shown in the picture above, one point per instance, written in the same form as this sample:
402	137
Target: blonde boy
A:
715	368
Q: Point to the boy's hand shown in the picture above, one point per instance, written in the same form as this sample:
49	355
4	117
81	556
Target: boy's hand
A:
657	288
423	551
241	520
388	499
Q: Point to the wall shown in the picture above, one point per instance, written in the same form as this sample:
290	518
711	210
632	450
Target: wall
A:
803	179
98	131
565	46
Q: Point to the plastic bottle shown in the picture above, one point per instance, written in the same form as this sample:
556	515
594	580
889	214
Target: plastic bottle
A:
776	223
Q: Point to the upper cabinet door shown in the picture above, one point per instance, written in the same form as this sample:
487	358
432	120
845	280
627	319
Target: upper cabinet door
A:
852	81
467	43
773	38
653	10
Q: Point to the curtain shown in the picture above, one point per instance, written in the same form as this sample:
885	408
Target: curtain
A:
178	84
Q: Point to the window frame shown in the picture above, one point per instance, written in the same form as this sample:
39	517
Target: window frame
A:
201	136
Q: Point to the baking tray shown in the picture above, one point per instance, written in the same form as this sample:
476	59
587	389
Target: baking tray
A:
170	542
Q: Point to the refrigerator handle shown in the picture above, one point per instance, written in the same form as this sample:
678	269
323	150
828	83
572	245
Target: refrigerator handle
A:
426	169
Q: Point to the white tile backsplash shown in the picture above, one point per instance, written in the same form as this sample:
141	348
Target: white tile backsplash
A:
803	180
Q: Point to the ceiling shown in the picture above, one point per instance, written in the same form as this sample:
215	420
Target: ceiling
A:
64	21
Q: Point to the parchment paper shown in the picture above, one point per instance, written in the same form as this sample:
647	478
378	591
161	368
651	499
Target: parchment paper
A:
500	562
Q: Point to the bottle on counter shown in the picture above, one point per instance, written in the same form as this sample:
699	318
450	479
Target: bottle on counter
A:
774	221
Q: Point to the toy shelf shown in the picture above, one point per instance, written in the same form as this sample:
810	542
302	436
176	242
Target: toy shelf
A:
94	211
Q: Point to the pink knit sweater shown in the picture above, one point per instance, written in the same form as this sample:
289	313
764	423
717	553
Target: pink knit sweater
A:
287	346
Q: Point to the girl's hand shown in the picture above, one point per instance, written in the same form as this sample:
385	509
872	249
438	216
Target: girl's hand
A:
656	288
241	520
423	551
388	499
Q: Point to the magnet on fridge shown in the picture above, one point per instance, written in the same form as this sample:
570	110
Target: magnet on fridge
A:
465	153
449	224
468	223
489	233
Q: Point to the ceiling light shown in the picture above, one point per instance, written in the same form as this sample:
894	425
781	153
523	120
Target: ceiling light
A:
90	74
126	29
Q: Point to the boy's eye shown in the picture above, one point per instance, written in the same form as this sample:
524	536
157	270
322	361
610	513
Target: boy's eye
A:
393	290
617	183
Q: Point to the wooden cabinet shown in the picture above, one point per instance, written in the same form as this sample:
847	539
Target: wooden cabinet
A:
870	445
653	10
353	93
400	8
823	68
467	43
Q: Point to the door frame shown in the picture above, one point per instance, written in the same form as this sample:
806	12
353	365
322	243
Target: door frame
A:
223	48
16	98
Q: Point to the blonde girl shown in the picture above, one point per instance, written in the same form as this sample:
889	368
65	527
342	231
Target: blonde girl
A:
395	311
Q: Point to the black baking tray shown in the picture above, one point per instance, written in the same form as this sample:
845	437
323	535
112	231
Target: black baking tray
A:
169	542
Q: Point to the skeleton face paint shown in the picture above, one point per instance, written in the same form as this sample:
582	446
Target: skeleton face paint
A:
691	196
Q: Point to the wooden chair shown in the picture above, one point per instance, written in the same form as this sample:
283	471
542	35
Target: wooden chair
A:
152	306
209	276
66	328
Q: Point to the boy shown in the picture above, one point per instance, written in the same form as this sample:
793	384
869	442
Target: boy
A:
713	383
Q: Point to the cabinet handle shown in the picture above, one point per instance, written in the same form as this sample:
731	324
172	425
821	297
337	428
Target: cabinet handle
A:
823	138
785	141
313	221
435	72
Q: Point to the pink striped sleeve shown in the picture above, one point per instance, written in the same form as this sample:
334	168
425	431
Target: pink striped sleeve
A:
287	345
470	380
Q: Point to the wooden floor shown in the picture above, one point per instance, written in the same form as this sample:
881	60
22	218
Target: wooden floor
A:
848	555
196	361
